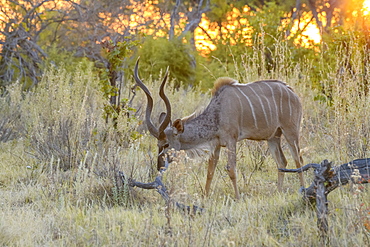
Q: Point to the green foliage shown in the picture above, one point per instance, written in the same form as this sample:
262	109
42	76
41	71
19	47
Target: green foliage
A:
115	54
268	20
118	108
344	57
219	10
156	54
268	37
60	58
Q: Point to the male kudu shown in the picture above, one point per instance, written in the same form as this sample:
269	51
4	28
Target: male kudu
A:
262	110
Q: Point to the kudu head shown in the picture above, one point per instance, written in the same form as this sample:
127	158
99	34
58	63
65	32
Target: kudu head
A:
164	119
173	132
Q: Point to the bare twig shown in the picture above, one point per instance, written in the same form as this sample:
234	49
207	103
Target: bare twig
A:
174	19
158	185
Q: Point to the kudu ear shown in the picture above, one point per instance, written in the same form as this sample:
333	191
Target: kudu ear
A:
179	125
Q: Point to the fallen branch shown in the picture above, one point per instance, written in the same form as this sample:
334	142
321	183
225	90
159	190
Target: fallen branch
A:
322	174
328	179
356	171
158	185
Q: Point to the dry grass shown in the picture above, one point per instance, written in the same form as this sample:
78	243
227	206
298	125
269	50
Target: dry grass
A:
58	171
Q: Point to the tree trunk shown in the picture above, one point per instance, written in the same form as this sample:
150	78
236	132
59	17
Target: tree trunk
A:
174	19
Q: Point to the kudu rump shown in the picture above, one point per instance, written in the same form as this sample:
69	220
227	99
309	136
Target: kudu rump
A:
262	110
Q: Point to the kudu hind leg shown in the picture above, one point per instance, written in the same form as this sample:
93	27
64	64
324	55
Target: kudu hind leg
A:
293	142
278	155
212	163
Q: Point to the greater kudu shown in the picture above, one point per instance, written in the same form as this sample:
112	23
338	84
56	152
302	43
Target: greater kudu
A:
262	110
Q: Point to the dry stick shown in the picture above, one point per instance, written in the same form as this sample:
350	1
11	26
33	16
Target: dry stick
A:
328	179
341	175
161	189
322	173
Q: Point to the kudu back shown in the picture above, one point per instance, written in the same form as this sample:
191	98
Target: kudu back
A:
262	110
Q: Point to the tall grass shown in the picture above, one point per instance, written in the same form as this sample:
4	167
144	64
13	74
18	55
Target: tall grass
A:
59	161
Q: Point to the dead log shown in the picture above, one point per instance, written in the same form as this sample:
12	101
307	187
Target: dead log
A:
158	185
328	179
322	174
356	171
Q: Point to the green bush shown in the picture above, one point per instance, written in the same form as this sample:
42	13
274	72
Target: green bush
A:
156	54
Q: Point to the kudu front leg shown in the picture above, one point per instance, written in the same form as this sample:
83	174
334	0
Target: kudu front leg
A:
231	167
212	163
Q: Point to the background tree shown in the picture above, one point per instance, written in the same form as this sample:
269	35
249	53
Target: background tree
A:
21	54
33	26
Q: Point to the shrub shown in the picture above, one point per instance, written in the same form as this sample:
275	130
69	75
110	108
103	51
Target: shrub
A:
61	115
157	54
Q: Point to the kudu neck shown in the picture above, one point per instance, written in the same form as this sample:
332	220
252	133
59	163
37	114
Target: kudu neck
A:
203	128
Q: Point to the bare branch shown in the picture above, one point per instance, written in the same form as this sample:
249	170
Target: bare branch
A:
194	17
312	5
338	176
295	16
300	170
174	18
158	185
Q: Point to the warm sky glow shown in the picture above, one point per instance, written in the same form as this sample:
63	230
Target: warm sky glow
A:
366	7
235	28
310	32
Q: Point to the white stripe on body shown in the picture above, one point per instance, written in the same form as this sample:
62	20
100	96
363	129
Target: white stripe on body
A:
286	89
262	105
281	101
242	109
251	106
290	106
268	102
273	96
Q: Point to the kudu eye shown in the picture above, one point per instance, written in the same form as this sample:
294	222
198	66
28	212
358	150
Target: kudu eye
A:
163	146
